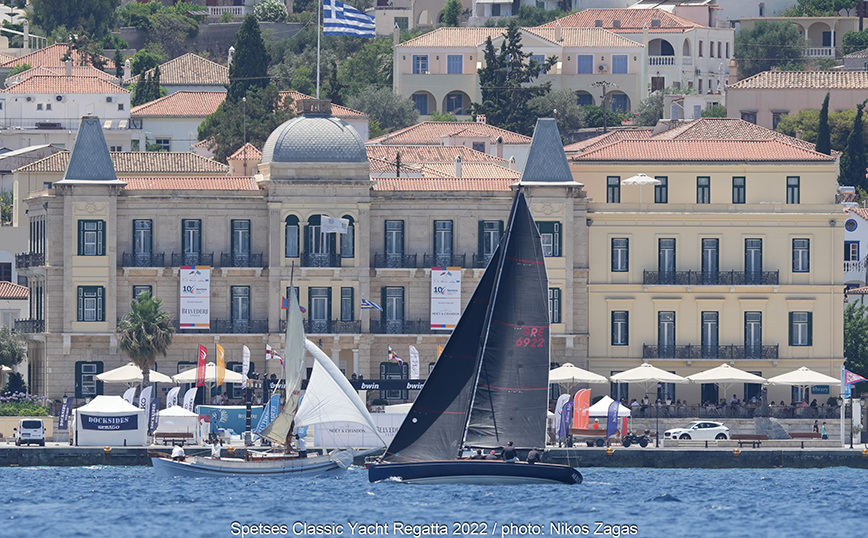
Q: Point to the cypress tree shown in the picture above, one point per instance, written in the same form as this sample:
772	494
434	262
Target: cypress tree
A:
155	84
855	159
140	92
824	135
249	66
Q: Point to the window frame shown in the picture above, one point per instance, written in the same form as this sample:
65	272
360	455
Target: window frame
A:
420	64
85	294
739	190
453	61
620	328
801	255
801	329
291	229
620	254
613	189
793	189
703	189
551	238
555	305
99	237
661	191
584	64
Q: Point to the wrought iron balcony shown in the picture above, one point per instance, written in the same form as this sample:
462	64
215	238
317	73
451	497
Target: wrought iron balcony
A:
228	259
398	327
395	261
329	326
239	326
710	278
694	352
29	259
192	258
326	259
443	260
143	259
481	260
29	325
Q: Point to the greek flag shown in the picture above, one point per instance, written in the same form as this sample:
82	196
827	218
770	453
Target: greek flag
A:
342	19
370	305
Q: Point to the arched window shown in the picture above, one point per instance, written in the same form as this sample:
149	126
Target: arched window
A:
348	240
291	249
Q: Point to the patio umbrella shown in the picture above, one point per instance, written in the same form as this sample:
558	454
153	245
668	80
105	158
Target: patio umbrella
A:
803	377
645	374
189	376
725	375
641	180
130	373
573	374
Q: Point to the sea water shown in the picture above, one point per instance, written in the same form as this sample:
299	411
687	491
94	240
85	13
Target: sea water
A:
132	502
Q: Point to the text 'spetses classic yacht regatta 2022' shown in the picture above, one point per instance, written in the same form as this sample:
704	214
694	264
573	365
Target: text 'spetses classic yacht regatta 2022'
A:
490	384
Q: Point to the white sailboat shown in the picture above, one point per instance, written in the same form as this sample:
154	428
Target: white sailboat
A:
329	398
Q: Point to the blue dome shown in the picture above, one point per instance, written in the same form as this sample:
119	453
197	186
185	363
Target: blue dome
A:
314	139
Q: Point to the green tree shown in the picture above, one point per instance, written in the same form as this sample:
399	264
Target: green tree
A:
145	332
442	116
506	84
227	17
529	15
651	108
854	161
173	32
270	11
856	338
371	65
561	105
118	60
249	68
5	207
714	111
452	13
13	350
391	111
262	113
819	8
808	122
854	41
824	134
766	45
95	18
19	68
143	61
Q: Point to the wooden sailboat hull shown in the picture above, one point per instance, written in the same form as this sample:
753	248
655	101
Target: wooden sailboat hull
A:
474	472
198	467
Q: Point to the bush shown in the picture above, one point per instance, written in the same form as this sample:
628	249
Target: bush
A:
270	11
19	404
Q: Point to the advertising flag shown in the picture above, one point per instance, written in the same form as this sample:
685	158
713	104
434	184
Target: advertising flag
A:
559	415
414	362
439	350
145	401
200	370
154	415
245	361
851	378
581	405
612	419
190	399
342	19
221	364
130	395
172	397
64	413
566	418
332	225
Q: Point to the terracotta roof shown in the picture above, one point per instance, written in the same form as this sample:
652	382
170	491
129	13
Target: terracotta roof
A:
8	290
137	162
584	37
861	211
5	58
202	143
483	170
631	20
656	150
454	37
224	183
383	166
181	104
729	129
51	56
608	138
338	111
442	154
857	291
442	184
858	54
77	71
62	84
190	70
252	153
803	80
431	132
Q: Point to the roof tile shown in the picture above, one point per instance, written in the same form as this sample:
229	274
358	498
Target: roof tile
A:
454	37
64	84
432	153
181	104
338	111
50	56
803	80
224	183
656	150
631	20
8	290
251	153
729	129
607	138
137	162
432	132
190	70
584	37
442	184
77	71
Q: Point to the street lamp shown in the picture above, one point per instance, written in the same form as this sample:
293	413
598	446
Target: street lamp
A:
604	84
657	415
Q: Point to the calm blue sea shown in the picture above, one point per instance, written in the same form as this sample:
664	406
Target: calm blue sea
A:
132	502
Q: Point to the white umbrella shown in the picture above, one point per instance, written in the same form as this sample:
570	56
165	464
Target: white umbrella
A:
641	180
645	374
130	373
725	375
573	374
803	377
189	376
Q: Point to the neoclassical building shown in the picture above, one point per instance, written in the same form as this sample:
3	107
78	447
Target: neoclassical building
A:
96	240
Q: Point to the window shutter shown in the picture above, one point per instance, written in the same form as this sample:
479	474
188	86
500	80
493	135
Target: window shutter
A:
481	241
383	304
329	303
80	303
627	254
100	316
612	328
99	370
306	239
626	328
791	328
80	238
558	240
613	261
100	237
810	328
232	246
309	303
401	239
78	393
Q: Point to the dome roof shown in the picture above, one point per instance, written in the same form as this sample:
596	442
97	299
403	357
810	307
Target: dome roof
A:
314	139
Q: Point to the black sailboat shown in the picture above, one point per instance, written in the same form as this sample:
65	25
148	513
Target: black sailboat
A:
490	384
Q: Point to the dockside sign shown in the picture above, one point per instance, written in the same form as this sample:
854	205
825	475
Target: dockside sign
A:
124	422
387	384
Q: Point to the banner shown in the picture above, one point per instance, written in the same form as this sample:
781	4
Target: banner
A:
221	364
145	400
190	399
195	297
414	362
245	363
344	434
445	297
63	420
332	225
581	404
94	422
566	418
561	430
612	419
172	397
272	408
154	416
130	395
200	368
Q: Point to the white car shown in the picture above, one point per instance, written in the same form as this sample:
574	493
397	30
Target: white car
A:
700	429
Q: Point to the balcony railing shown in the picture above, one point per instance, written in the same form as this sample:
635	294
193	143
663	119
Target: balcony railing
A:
329	326
481	260
325	259
192	258
143	259
693	352
820	52
29	259
394	261
398	327
661	60
29	325
443	260
239	326
706	278
855	266
228	259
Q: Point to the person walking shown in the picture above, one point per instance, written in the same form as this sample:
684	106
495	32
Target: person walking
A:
816	427
824	432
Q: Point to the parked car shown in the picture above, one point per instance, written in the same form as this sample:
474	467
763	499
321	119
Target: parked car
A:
30	430
700	429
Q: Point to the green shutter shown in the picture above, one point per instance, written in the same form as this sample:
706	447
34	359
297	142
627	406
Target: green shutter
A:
78	393
308	303
99	370
329	299
612	328
627	254
790	324
626	328
810	328
559	242
383	305
100	225
80	304
480	252
80	238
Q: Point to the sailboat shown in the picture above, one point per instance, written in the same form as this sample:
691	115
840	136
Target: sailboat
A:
329	398
490	384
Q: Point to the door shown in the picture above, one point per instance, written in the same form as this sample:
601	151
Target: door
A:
394	243
753	261
666	335
666	260
319	301
710	261
240	309
709	335
240	243
753	335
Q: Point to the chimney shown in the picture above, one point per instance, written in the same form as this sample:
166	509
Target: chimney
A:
500	147
26	36
512	163
458	166
799	134
398	164
128	72
480	118
558	31
68	67
231	52
732	77
396	35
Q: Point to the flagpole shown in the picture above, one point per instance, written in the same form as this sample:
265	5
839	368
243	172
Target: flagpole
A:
318	33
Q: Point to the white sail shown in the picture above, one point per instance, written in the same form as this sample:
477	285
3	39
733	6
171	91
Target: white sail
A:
330	397
293	367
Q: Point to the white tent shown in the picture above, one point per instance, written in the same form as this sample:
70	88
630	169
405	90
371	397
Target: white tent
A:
110	421
176	419
601	408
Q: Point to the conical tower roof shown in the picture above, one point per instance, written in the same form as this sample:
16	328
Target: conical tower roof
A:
90	160
546	160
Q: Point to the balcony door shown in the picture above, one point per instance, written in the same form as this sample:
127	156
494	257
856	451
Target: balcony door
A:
319	315
394	243
241	243
753	261
710	261
393	309
142	242
191	240
666	335
709	335
240	309
666	260
753	335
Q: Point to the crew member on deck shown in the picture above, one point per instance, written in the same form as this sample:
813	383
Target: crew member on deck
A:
178	453
534	456
478	455
491	456
509	453
302	446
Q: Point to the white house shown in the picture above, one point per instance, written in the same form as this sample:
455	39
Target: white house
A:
855	247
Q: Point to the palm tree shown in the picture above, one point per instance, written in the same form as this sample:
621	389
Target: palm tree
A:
145	332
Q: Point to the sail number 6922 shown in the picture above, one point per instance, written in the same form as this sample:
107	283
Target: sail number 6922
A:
532	337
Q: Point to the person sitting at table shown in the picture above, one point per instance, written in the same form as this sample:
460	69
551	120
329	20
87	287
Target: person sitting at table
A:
634	404
734	400
814	403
